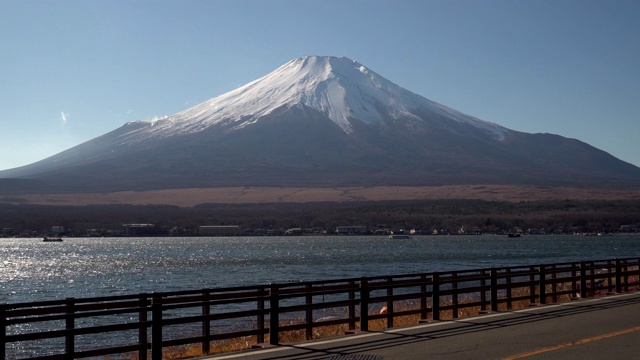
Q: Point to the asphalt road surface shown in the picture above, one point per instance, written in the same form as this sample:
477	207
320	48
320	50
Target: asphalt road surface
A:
602	328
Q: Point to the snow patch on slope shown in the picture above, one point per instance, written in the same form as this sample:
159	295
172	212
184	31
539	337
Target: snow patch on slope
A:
340	88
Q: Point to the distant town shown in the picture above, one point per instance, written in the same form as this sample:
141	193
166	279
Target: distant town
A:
151	230
443	217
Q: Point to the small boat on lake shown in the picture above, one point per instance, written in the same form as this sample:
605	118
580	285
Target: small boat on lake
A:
399	235
52	239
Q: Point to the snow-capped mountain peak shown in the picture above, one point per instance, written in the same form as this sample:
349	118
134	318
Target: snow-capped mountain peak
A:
340	88
319	122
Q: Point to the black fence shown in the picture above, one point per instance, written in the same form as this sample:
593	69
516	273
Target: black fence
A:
147	324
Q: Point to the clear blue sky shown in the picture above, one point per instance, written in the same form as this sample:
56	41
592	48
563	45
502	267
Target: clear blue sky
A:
74	70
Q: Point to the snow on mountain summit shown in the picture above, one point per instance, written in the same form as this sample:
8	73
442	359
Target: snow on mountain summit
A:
319	122
340	88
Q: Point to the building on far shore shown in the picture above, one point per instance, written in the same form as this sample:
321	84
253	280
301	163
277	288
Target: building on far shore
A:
139	229
219	230
7	232
351	230
58	230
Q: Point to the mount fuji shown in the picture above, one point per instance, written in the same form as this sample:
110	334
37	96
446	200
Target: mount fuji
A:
318	122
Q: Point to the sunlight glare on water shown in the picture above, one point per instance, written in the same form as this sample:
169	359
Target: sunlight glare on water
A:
31	270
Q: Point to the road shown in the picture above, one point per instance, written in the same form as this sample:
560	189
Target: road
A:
602	328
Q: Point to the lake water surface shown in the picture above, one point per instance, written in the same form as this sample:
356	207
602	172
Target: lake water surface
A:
31	270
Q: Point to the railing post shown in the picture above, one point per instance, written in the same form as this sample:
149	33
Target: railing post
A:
142	330
3	331
352	305
436	296
483	293
454	296
574	286
274	315
69	342
389	302
206	323
612	276
494	290
625	274
543	285
509	289
156	327
618	276
532	287
260	319
309	312
423	297
554	284
583	279
364	305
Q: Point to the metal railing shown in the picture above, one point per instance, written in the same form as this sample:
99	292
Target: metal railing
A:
147	324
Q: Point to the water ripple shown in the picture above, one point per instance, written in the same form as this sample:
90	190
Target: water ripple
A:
31	270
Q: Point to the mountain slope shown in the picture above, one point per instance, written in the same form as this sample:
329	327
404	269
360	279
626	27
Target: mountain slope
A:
320	122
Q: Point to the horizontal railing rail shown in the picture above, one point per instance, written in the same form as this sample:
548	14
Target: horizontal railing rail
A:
147	324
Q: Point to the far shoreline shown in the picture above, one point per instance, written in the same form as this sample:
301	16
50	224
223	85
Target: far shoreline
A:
264	195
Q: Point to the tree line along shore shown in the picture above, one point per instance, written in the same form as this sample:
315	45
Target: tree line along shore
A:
422	217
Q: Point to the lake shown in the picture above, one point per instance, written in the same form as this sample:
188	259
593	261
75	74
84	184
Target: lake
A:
32	270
